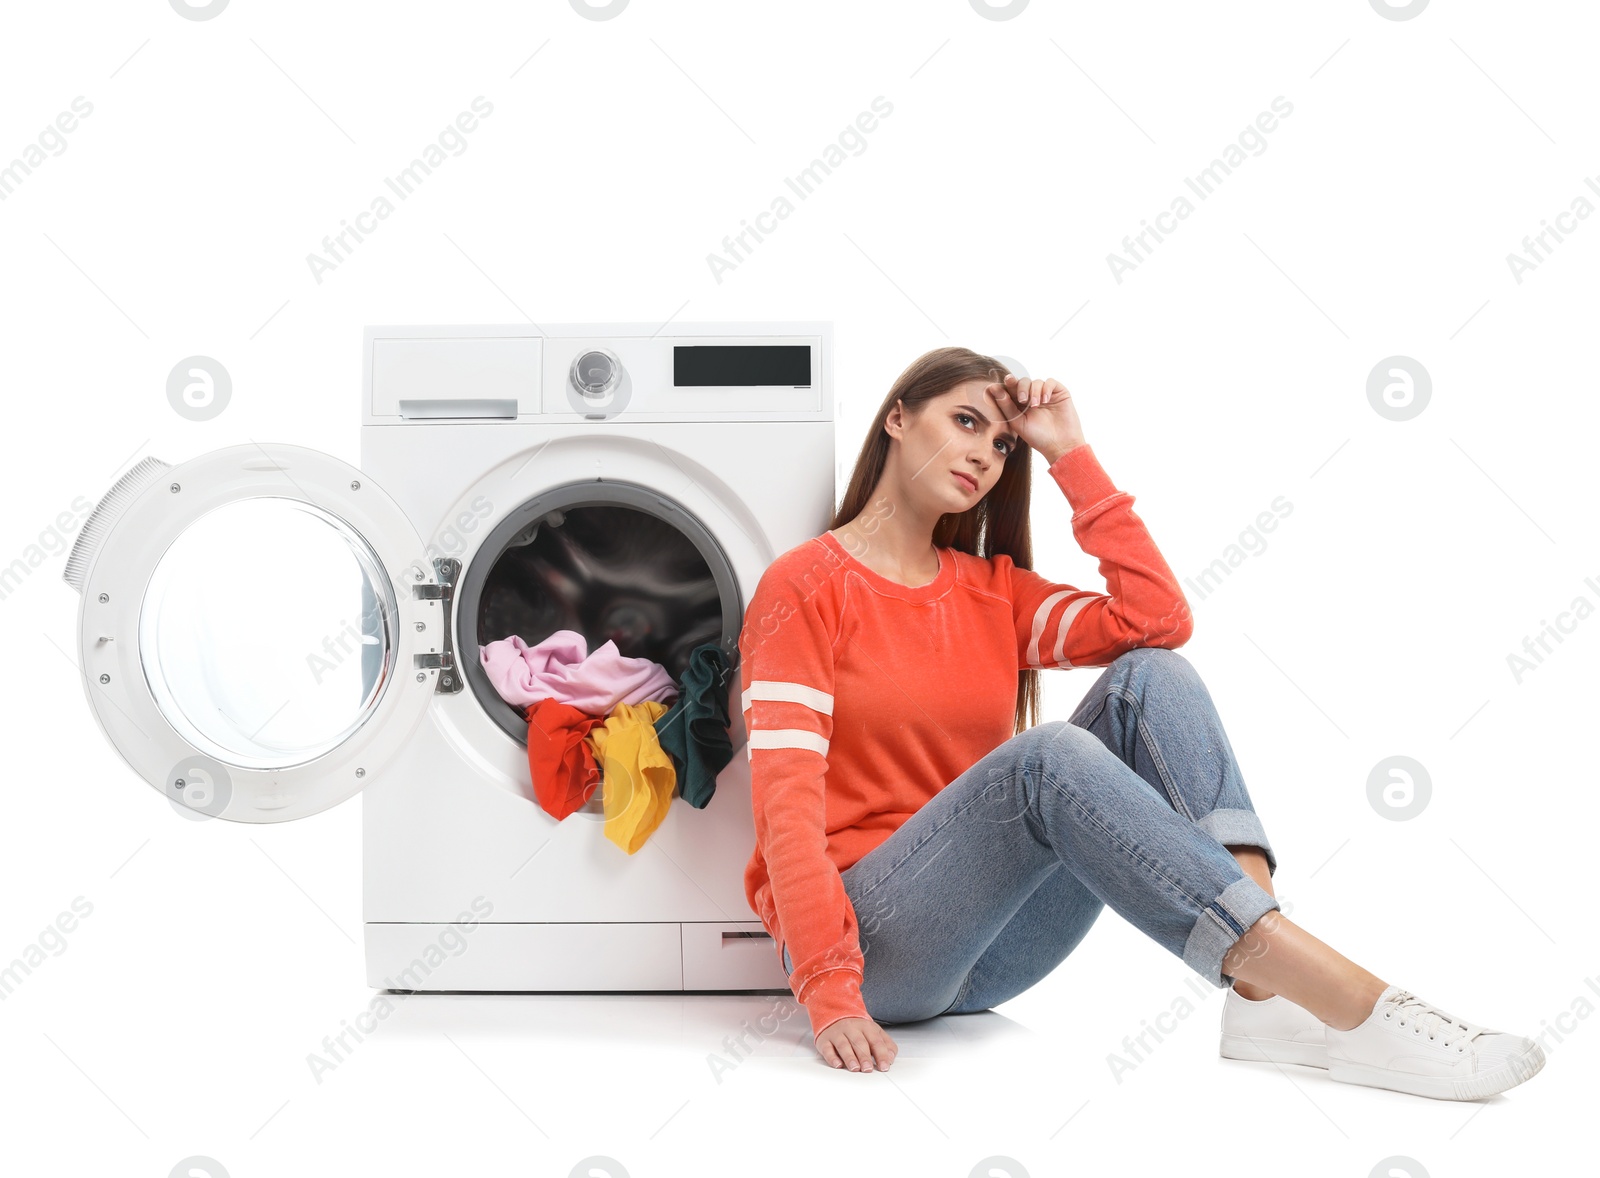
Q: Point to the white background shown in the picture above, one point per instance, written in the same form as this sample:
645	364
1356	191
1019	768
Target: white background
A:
1229	368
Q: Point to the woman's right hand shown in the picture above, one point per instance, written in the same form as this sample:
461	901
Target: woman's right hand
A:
856	1043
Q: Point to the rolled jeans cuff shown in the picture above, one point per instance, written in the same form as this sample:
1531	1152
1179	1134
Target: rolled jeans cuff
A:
1239	828
1221	923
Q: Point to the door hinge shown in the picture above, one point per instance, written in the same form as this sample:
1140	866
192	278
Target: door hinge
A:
446	571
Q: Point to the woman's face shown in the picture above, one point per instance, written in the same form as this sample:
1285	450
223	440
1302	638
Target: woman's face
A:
961	432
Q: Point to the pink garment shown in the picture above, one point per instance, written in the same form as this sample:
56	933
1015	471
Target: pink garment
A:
561	668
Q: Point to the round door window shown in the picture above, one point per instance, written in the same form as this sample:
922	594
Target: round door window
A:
266	633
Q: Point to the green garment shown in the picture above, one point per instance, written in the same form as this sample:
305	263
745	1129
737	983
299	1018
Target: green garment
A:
694	731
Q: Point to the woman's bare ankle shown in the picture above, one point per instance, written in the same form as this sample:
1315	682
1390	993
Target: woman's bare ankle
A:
1278	956
1251	993
1355	1005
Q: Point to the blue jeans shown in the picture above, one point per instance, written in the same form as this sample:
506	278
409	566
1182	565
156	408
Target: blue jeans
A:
988	887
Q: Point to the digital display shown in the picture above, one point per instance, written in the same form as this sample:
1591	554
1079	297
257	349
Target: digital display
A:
742	364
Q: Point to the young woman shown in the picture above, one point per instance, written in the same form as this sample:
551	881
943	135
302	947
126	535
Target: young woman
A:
925	847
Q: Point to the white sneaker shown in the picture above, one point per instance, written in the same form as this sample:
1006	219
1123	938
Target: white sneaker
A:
1410	1045
1273	1030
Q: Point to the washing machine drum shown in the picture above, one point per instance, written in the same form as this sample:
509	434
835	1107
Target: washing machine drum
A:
638	572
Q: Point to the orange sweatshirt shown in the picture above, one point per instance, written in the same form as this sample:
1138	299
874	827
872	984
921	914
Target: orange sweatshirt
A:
864	697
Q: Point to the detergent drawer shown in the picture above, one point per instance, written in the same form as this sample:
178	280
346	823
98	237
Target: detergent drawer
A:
526	957
730	955
463	377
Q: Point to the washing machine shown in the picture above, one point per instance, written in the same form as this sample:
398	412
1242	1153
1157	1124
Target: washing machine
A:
267	631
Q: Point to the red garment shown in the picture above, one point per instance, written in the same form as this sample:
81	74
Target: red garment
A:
864	697
559	758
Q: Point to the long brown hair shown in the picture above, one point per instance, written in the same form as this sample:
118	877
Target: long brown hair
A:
997	523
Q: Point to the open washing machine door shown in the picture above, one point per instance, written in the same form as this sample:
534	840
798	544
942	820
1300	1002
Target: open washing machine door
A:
260	629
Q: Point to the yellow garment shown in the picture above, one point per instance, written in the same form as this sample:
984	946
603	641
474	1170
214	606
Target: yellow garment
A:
638	776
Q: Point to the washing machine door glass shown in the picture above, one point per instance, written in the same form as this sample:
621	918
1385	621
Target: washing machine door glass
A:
261	629
248	673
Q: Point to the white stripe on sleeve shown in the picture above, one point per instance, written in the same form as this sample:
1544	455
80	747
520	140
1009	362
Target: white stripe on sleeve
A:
786	738
1041	618
1072	612
787	692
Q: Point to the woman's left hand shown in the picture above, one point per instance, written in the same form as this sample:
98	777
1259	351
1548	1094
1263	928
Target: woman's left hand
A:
1046	419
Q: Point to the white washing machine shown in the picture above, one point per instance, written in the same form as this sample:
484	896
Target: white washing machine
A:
266	631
